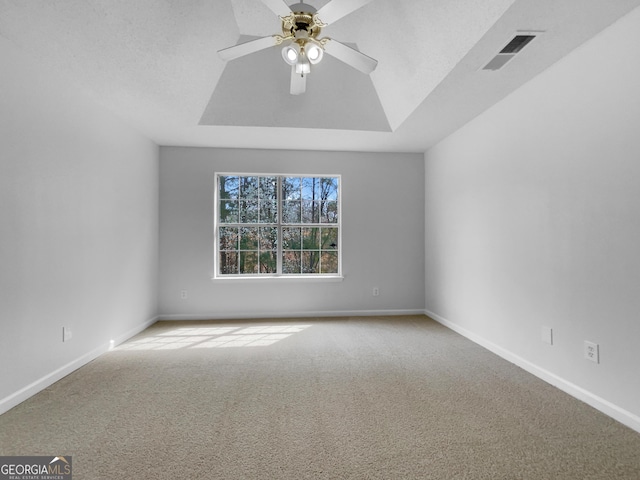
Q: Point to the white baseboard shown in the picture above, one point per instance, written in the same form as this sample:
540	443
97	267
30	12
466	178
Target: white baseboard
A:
621	415
303	314
134	331
21	395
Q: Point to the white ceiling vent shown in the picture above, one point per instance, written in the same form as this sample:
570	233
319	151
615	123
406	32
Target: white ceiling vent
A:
511	49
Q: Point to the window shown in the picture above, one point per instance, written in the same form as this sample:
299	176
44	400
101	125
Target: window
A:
277	225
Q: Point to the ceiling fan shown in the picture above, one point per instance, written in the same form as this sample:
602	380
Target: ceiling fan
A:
301	26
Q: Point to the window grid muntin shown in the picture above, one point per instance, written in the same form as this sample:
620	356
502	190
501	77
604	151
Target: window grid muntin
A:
334	253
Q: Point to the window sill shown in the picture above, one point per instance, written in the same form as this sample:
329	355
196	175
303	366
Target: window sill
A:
281	278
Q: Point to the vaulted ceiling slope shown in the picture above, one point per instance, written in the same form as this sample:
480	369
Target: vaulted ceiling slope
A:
154	63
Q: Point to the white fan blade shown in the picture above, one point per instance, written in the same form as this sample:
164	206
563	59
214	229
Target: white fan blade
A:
350	56
336	9
298	82
246	48
278	7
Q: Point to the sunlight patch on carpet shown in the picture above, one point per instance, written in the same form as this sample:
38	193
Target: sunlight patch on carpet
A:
214	337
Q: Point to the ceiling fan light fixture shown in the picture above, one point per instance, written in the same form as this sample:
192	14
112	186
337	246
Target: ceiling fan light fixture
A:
314	53
291	53
303	66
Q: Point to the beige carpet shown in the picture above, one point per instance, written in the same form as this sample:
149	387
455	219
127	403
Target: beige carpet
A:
349	398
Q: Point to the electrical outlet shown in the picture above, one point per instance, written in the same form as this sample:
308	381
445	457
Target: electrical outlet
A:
376	291
183	294
547	335
592	351
67	334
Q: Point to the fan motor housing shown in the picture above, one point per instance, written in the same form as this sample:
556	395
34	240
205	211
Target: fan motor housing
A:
301	21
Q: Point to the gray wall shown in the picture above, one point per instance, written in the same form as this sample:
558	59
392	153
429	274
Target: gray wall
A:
78	228
533	219
382	237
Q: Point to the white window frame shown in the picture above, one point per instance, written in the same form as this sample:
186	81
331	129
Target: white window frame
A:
280	224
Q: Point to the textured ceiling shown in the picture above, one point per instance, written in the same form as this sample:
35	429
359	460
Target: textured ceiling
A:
154	63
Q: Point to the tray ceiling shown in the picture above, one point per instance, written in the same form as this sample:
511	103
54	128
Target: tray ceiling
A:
154	64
